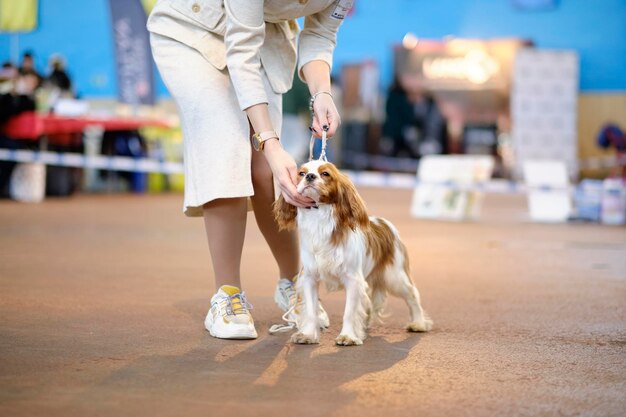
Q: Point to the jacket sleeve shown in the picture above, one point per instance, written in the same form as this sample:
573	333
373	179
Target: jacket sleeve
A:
245	33
318	38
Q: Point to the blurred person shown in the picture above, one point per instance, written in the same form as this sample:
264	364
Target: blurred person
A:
414	125
58	77
227	64
28	79
15	92
8	76
11	104
431	124
399	120
26	84
27	68
56	86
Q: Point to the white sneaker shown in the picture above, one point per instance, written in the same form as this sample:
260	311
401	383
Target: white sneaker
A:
228	317
288	301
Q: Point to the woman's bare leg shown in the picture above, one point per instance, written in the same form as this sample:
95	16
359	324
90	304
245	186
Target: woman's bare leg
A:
283	244
225	224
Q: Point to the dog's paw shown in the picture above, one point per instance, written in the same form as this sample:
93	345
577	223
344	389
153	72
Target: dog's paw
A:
304	339
420	326
345	340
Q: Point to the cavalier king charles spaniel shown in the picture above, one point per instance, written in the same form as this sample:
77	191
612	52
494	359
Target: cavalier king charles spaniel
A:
343	247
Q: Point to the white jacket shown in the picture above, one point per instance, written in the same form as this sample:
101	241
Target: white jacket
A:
245	35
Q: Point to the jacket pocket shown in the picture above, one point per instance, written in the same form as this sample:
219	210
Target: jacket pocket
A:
207	13
212	48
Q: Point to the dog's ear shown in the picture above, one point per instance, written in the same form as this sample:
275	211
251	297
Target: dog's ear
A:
285	214
350	209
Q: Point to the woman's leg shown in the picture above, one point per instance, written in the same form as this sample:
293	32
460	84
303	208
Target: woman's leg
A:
225	224
283	244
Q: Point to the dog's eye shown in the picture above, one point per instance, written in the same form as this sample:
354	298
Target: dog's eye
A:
325	174
301	173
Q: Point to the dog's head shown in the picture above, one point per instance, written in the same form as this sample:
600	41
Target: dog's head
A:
325	184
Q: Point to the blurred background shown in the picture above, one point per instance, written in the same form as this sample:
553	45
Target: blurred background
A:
490	132
453	98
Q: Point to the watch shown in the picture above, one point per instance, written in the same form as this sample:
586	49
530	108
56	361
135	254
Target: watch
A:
259	139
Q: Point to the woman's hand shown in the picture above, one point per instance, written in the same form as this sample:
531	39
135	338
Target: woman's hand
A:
286	172
281	163
325	114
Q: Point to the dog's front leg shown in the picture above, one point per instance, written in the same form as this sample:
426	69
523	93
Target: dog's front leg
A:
308	326
355	315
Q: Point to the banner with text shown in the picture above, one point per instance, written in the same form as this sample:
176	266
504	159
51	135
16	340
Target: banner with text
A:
132	52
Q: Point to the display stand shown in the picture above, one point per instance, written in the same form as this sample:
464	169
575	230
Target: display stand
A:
450	186
548	185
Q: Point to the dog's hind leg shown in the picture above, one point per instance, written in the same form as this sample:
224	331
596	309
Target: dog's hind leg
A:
419	321
399	283
404	288
354	329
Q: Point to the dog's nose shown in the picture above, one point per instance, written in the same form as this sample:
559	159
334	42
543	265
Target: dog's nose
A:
310	177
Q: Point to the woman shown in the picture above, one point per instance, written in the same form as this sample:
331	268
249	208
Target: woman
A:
227	64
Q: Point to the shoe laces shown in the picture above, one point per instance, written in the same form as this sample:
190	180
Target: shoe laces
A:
235	304
288	318
294	301
292	295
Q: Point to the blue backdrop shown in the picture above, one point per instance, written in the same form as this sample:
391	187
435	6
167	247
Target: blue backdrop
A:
80	31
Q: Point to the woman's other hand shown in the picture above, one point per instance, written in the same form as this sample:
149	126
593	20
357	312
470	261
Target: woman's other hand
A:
325	114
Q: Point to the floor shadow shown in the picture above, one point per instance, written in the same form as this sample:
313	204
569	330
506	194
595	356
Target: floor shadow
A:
246	378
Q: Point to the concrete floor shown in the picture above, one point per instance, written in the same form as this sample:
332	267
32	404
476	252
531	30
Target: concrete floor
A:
102	300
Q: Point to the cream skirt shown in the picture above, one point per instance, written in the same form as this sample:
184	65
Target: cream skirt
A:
216	133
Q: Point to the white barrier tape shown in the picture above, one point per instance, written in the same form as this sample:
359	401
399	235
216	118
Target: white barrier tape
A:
360	178
360	159
77	160
410	181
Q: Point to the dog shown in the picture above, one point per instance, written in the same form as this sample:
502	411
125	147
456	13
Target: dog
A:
343	247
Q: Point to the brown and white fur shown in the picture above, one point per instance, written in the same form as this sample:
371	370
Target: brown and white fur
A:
344	248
